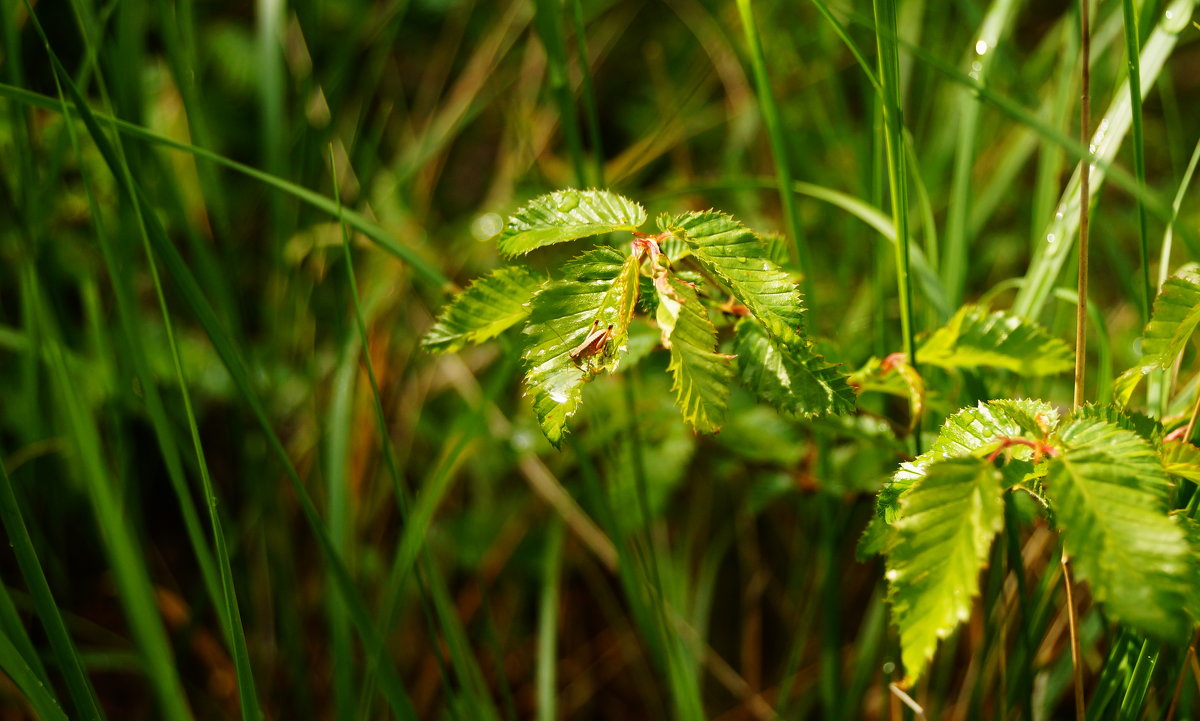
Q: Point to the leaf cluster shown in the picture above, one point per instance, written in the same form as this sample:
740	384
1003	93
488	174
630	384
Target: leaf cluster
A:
699	267
1101	483
1103	476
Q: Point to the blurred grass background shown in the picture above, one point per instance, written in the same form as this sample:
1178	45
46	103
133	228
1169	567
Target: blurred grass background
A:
194	381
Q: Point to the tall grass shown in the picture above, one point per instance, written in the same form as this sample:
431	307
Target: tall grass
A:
233	485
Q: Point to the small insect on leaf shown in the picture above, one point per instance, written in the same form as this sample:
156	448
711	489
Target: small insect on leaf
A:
596	344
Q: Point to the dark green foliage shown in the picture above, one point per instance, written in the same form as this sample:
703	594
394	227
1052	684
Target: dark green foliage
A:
790	377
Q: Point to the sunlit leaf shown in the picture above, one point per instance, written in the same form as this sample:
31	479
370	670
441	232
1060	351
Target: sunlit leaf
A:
594	300
975	338
1175	317
484	309
1109	494
1148	428
978	431
741	262
946	525
568	215
701	375
1181	459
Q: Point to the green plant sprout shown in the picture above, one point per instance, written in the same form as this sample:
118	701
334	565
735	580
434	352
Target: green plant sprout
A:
579	325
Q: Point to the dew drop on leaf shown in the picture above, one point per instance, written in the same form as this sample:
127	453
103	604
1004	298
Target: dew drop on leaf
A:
567	202
1175	20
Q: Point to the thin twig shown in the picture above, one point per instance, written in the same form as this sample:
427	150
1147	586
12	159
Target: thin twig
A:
1084	202
1076	661
907	700
1191	654
1085	173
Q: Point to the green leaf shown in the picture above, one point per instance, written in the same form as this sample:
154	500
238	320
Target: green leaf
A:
598	293
486	308
568	215
876	538
1109	494
976	432
1182	459
974	337
1141	424
741	261
1175	317
946	526
792	378
702	375
970	432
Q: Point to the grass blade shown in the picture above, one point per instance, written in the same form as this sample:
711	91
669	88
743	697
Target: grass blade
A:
78	685
779	146
1052	254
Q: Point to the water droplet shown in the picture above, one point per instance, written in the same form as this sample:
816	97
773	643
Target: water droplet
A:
558	396
963	615
892	575
567	202
1175	19
1051	237
981	47
486	226
889	667
522	440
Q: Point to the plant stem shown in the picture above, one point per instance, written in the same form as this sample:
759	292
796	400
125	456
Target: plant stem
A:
779	147
590	113
549	18
1080	315
1133	52
889	79
547	691
1084	205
